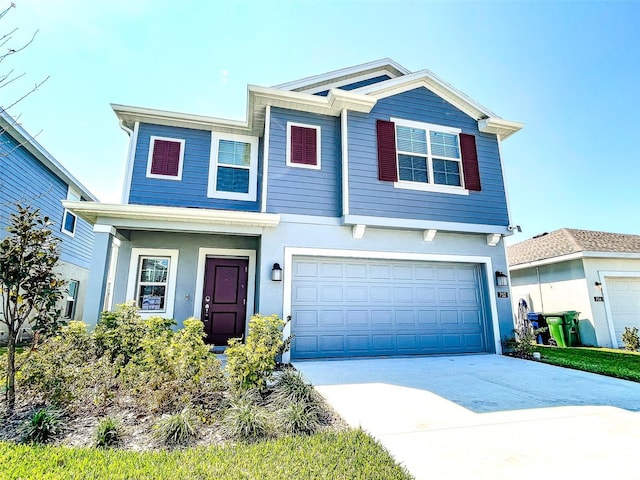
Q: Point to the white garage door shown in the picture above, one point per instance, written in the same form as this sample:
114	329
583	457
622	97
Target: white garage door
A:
361	307
623	294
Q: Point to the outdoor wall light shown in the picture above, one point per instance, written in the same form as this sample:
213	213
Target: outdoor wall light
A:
501	279
276	273
598	284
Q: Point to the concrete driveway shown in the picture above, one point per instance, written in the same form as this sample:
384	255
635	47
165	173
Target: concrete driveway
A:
487	416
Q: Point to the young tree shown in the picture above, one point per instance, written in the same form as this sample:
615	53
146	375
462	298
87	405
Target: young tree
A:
30	289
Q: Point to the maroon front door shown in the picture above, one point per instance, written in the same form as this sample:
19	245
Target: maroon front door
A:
224	299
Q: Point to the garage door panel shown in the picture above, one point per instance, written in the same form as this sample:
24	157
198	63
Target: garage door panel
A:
380	294
307	318
357	318
331	270
304	293
336	308
447	295
380	272
623	295
331	318
407	342
405	318
357	294
402	295
428	317
382	317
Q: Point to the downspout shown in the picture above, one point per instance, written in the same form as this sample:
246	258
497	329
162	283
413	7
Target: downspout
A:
540	289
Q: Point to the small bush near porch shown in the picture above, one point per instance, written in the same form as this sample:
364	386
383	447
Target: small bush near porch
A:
605	361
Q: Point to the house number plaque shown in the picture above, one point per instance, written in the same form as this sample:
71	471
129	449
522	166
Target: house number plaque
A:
503	294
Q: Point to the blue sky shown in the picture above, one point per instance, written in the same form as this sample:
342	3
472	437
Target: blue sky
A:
569	70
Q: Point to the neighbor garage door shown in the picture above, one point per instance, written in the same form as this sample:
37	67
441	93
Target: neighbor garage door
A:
624	303
361	307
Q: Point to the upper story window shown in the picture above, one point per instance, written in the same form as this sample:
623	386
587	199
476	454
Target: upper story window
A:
422	156
234	167
303	146
69	219
165	159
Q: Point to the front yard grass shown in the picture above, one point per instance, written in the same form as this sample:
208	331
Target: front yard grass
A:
329	455
605	361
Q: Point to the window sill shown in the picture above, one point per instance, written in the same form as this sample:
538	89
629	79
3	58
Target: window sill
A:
164	177
244	197
428	187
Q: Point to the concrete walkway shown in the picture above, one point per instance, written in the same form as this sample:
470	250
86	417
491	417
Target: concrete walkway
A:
488	416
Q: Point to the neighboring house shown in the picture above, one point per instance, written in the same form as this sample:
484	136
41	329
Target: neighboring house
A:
595	273
367	203
31	176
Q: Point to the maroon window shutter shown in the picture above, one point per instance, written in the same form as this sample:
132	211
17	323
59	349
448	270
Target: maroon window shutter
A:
303	145
470	162
387	168
166	158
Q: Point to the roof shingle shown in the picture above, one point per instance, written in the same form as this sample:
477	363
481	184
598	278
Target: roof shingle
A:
566	241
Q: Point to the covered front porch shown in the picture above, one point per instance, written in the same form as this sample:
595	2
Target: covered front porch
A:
178	263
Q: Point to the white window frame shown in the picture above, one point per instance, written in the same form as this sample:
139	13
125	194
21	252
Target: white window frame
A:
431	186
73	299
76	196
152	144
318	129
170	293
253	167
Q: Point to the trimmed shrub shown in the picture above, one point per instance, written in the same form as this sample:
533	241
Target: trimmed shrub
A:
108	432
174	368
42	425
177	429
57	371
120	333
631	339
251	364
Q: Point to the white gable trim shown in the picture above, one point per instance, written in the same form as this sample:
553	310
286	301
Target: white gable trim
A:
348	81
380	65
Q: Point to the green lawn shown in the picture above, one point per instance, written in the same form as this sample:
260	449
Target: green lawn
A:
346	455
614	363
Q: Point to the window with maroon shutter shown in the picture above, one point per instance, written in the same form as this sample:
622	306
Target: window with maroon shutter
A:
386	134
424	156
165	158
470	162
303	146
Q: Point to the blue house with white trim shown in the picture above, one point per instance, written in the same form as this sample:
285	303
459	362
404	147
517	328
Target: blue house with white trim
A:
32	176
366	203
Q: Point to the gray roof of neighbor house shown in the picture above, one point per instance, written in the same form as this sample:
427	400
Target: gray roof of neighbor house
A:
566	241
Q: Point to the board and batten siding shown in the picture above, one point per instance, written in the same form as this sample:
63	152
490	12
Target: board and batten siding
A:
304	191
27	181
191	190
372	197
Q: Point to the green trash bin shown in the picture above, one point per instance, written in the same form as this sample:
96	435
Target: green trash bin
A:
556	329
571	328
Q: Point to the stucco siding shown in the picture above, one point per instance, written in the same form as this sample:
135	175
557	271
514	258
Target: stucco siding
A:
191	190
369	196
301	190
